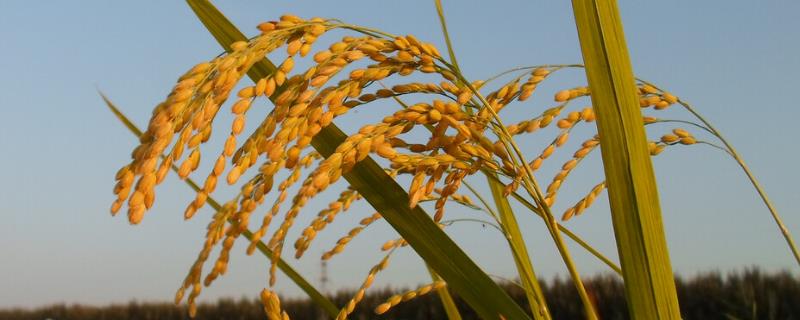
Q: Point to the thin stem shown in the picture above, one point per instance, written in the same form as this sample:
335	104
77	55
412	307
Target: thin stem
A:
715	146
685	122
571	235
774	212
360	29
450	50
555	67
483	201
483	222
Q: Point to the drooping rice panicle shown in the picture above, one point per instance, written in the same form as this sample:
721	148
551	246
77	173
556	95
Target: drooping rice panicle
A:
323	218
343	241
466	136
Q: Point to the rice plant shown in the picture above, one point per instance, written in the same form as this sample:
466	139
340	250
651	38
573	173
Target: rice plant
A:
437	134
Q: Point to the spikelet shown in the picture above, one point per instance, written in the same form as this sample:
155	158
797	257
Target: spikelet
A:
571	94
559	141
343	241
272	306
650	96
351	305
536	77
325	217
215	232
678	135
584	202
409	295
568	166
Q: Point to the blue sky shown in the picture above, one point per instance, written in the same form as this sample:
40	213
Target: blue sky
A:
736	61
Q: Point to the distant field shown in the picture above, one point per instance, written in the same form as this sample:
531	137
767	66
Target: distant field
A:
751	294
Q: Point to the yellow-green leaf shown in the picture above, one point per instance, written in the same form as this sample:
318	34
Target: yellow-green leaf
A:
632	192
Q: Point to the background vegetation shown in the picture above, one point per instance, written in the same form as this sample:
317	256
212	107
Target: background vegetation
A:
751	294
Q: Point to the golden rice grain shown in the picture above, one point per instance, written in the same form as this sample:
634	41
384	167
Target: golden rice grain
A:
688	140
364	286
669	98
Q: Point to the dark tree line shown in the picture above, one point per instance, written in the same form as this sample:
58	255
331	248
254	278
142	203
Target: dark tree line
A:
751	294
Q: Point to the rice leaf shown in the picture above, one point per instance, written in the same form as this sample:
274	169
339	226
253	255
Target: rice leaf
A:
447	300
527	275
632	191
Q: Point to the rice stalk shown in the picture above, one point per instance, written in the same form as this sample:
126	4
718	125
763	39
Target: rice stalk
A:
530	282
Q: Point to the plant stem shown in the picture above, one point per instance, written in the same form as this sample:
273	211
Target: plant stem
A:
450	50
761	193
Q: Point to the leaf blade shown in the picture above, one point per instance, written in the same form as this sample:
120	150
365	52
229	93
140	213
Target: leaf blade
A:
632	191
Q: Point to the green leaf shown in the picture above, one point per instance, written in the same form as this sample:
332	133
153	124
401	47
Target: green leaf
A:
413	224
527	275
632	191
447	300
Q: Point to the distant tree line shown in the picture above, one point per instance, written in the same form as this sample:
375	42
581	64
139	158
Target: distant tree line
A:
750	294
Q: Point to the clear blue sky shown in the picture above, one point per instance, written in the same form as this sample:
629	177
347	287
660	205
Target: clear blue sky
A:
737	61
